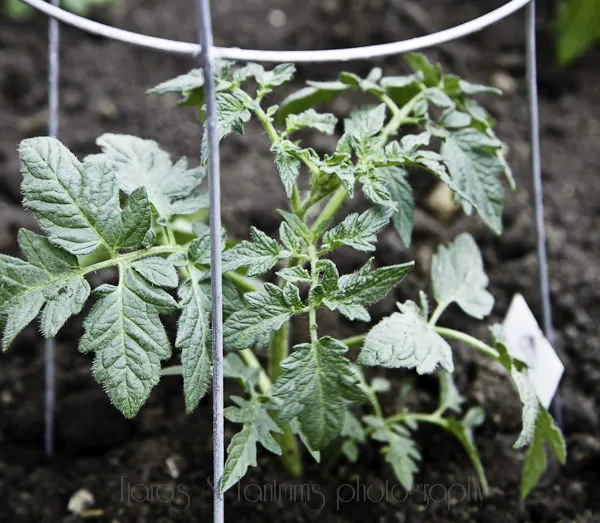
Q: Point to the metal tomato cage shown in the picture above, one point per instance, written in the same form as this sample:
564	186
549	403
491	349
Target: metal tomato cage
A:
208	53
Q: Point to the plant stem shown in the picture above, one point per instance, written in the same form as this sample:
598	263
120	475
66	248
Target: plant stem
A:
415	416
354	341
330	209
290	455
264	383
400	116
278	351
469	340
435	315
170	235
244	283
312	311
296	203
266	122
122	258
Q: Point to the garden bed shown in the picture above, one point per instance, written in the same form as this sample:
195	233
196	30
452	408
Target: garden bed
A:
159	465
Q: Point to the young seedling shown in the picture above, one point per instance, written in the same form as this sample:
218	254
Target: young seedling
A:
132	208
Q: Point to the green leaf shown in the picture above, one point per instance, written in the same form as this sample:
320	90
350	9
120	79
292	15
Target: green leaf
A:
475	167
46	282
450	397
235	368
309	97
258	427
317	382
189	84
357	231
172	189
193	335
405	339
400	452
289	238
365	123
232	301
296	224
454	119
297	429
368	85
232	114
288	164
266	312
295	274
438	97
546	433
524	386
338	165
310	119
578	27
354	432
83	7
401	89
259	254
457	275
77	204
364	287
137	220
17	10
64	298
463	430
281	74
353	428
432	74
124	331
41	253
402	196
158	271
375	188
199	248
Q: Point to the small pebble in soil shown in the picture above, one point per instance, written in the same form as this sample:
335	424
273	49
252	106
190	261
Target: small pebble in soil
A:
80	501
439	201
505	82
277	18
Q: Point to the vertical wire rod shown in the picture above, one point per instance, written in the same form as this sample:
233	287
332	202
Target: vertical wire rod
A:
538	193
49	346
204	25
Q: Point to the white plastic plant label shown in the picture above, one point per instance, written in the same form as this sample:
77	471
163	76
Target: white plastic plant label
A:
525	341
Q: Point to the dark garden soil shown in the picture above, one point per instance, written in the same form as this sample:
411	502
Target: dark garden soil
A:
157	468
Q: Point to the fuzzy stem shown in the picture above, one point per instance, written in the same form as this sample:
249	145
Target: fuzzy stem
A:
400	115
244	283
264	383
330	209
435	315
469	340
290	455
312	311
278	351
354	341
419	417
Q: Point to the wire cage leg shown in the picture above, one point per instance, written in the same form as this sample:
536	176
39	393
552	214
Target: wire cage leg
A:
537	185
204	25
49	345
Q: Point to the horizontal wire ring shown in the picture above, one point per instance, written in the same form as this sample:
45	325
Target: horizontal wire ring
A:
256	55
